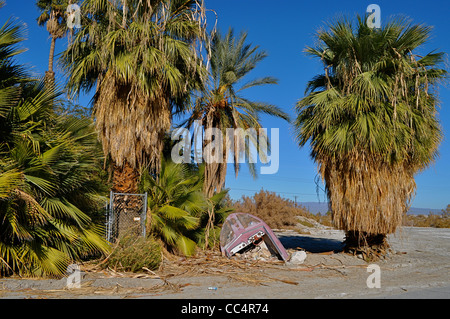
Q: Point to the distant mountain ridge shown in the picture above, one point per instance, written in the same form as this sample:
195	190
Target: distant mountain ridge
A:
316	207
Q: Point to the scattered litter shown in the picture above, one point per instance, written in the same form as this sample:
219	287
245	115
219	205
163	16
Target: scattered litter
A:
298	257
212	288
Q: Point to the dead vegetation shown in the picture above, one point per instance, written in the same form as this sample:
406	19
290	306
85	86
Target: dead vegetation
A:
212	263
275	211
431	220
370	247
368	198
133	253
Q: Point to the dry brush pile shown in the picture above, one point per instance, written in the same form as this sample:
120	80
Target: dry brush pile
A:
276	211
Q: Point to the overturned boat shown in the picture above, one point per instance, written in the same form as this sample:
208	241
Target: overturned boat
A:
241	232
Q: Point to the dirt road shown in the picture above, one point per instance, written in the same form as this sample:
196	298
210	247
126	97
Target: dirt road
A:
419	267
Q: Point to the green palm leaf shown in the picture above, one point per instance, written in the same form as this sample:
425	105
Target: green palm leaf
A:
222	104
48	168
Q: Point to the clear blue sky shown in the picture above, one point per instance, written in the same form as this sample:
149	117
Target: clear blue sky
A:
283	28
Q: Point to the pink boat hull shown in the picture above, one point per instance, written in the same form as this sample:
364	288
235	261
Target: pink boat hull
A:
242	230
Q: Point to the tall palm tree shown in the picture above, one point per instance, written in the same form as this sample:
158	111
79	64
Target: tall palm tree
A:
143	59
371	120
221	105
48	192
53	16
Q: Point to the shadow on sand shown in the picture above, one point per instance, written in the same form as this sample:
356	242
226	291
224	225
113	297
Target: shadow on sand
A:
311	244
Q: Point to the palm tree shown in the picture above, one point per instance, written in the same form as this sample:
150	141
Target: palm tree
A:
48	190
53	16
48	193
143	59
175	205
372	123
222	105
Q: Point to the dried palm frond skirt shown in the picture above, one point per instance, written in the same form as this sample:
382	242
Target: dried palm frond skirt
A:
368	199
131	125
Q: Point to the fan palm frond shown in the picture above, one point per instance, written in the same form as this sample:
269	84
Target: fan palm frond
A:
371	120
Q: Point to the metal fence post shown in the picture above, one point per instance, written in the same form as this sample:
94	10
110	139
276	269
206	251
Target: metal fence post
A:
106	219
110	215
144	215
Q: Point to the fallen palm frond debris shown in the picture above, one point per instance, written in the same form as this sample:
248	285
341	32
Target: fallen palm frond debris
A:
175	273
204	263
212	263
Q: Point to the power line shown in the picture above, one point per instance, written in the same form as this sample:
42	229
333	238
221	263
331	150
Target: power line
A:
284	178
254	190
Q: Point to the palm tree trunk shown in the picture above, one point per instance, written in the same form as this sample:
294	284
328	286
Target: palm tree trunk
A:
125	179
371	246
49	74
124	11
215	174
214	182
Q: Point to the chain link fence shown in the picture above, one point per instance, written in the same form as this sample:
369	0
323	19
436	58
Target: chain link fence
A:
126	213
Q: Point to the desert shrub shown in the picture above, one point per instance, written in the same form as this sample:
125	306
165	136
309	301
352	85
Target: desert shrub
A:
276	211
431	220
133	252
324	219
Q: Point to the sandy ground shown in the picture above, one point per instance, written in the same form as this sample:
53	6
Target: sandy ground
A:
419	267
